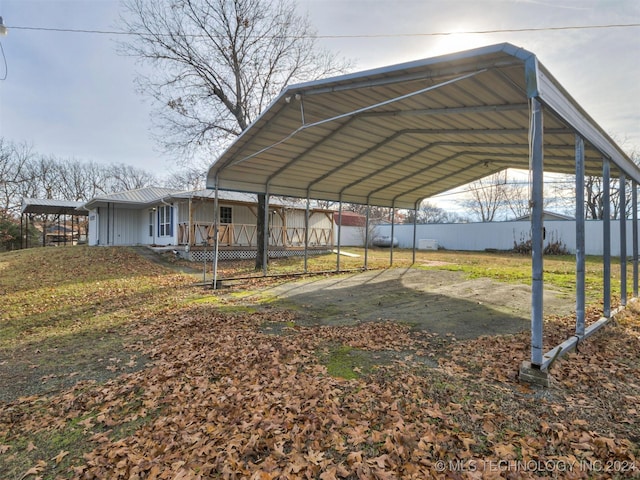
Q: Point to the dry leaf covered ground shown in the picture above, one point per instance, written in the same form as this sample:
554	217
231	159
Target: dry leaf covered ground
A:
196	385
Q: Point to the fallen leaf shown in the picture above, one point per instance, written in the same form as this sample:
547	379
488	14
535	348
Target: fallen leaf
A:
58	458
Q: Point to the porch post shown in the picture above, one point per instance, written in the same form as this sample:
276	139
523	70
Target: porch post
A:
339	235
634	226
21	221
190	239
216	221
606	237
265	253
623	239
537	239
580	240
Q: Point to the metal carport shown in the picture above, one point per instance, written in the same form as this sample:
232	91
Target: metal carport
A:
396	135
47	206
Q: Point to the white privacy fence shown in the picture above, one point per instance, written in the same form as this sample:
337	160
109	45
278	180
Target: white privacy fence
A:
494	235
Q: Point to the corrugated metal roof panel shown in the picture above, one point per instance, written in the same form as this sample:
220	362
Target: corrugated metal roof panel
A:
396	135
50	206
142	196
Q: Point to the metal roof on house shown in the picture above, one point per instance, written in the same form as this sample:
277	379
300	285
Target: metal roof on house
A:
240	197
222	195
138	197
547	215
396	135
47	206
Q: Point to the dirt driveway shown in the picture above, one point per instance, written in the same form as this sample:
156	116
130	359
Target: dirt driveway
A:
439	301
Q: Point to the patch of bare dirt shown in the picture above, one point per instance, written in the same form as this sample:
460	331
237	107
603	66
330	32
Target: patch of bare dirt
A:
438	301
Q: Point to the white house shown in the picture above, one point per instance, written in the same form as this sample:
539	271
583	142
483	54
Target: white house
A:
158	216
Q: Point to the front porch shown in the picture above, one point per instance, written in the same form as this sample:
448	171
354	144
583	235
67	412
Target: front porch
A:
233	236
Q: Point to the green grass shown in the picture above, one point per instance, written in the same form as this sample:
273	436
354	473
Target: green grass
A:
86	291
346	362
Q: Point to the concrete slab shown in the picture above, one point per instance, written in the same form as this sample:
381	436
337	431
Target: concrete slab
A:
439	301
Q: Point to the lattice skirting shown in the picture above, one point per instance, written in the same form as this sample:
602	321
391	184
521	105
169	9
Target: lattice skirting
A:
200	256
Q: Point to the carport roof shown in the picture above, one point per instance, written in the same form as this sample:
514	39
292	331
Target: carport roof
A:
47	206
396	135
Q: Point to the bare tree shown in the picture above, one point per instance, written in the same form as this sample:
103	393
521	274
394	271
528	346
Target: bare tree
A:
217	65
41	178
186	178
13	161
517	198
594	190
80	181
126	177
487	196
25	173
593	196
427	213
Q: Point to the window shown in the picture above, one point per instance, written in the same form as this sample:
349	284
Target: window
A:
165	221
226	215
151	222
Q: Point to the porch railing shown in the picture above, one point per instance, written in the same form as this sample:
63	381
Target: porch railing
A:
244	235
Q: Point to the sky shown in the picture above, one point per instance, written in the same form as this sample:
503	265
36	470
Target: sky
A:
72	95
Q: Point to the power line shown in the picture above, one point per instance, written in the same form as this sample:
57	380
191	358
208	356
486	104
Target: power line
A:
6	67
348	36
481	32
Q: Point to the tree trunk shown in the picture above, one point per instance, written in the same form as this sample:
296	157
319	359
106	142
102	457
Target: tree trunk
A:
262	205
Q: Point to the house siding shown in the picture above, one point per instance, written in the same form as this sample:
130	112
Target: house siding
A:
118	226
115	225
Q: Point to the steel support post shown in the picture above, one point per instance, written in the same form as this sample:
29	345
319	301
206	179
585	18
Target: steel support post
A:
606	237
366	238
537	237
623	239
580	242
393	224
306	236
634	226
415	228
339	234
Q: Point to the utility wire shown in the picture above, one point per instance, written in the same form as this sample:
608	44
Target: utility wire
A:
6	67
345	36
